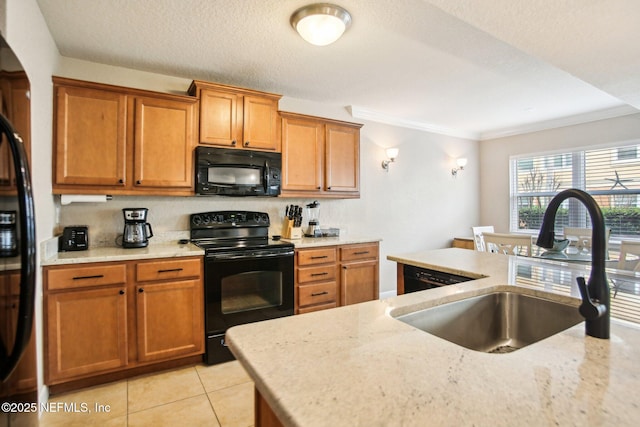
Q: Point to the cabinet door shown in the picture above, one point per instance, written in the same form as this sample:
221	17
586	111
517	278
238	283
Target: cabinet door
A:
24	378
218	118
342	147
302	154
90	137
170	319
86	332
16	106
260	124
358	282
164	141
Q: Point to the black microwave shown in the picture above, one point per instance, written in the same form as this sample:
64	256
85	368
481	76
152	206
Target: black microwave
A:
237	172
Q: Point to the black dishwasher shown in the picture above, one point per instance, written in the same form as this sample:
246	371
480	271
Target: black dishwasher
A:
419	279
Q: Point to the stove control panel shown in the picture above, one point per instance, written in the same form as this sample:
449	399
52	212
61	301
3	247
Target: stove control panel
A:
229	219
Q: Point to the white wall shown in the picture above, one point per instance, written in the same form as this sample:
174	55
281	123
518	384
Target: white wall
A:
416	205
495	154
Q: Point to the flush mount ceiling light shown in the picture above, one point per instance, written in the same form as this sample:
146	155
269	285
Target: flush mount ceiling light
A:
321	23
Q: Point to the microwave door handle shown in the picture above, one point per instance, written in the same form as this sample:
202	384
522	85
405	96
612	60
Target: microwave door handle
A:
266	176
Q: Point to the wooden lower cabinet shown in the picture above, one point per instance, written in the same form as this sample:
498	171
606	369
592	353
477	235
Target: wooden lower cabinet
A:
359	278
87	331
108	317
358	282
161	336
263	414
319	285
24	378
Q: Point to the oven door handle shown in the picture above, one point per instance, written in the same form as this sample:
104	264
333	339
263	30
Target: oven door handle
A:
248	255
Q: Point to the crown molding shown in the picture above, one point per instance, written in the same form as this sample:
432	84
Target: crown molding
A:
363	113
592	116
608	113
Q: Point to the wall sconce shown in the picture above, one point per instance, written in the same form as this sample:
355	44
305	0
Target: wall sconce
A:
461	162
392	153
321	23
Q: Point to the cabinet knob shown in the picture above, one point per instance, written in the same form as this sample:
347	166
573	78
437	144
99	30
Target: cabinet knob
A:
233	143
328	188
246	143
138	182
121	181
318	187
121	292
141	290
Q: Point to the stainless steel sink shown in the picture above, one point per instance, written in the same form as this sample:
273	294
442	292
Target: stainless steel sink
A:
499	322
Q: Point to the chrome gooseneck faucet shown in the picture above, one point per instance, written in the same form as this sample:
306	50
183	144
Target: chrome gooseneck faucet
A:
596	303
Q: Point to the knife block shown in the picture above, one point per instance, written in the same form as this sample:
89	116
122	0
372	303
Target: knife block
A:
289	231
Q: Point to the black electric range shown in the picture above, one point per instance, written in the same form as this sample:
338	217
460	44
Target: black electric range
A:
248	277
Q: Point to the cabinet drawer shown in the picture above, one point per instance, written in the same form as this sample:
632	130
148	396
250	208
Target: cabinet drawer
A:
316	256
317	294
317	274
356	252
173	269
309	309
79	277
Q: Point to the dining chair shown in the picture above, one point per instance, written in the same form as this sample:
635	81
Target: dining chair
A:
508	243
581	238
627	247
478	242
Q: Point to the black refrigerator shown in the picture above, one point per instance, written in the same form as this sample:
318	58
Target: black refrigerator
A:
18	376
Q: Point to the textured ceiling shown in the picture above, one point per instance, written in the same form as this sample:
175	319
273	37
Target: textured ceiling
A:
471	68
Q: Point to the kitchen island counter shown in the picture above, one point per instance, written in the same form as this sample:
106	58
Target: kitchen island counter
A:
356	365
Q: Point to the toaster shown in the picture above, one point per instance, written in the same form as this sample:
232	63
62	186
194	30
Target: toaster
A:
74	238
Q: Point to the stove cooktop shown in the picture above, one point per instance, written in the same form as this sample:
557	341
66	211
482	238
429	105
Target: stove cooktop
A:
212	245
233	231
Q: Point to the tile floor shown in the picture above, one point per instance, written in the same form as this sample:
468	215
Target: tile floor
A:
201	395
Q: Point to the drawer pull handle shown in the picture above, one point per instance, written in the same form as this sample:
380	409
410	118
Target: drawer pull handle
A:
361	253
317	294
170	270
121	292
97	276
319	274
141	290
320	257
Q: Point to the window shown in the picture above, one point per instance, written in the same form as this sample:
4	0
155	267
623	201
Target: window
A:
610	175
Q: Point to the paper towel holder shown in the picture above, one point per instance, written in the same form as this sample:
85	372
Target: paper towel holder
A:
66	199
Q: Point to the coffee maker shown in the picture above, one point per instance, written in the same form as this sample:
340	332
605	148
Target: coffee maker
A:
136	228
8	238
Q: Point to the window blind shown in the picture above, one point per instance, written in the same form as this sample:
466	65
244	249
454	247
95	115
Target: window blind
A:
611	175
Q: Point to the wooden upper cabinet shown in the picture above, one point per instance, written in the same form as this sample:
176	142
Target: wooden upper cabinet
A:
260	124
342	148
320	157
164	128
16	106
114	140
303	159
218	118
91	136
233	117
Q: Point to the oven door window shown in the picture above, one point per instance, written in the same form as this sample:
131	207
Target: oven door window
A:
234	176
250	291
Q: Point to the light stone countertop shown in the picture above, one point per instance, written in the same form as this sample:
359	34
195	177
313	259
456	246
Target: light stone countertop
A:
310	242
166	249
357	366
